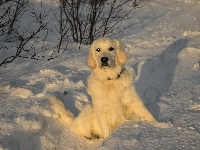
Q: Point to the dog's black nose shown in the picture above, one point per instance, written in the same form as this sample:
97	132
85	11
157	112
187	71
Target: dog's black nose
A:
104	59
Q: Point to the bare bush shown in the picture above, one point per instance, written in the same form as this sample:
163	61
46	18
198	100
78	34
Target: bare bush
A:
90	19
80	21
12	29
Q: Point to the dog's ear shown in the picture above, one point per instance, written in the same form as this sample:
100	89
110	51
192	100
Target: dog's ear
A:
90	61
121	54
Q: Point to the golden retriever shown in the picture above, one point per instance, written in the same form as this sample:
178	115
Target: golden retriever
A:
114	98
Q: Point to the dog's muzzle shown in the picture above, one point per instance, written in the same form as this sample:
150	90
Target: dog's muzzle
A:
104	62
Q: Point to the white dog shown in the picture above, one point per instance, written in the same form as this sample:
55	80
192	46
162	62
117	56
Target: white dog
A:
114	98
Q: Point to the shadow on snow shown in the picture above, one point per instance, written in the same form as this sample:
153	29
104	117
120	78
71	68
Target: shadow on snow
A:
156	76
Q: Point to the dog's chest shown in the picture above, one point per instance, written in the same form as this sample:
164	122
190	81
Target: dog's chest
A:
111	86
108	88
102	88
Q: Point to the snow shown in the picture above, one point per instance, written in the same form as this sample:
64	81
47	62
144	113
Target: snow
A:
164	51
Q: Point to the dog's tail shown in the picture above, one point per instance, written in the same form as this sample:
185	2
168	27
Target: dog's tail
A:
65	116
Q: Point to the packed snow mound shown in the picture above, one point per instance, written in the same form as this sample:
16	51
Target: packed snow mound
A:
21	92
189	61
191	34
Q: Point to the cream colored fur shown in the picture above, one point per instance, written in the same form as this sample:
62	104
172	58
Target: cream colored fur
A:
63	114
114	98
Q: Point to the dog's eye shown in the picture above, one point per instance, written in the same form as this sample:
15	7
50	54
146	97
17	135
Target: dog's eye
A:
98	49
111	49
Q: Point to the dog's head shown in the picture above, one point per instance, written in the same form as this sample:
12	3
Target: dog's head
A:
106	58
106	53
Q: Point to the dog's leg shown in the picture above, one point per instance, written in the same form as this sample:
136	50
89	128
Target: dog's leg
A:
134	106
109	118
103	125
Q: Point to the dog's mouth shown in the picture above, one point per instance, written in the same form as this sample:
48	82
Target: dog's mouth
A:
104	65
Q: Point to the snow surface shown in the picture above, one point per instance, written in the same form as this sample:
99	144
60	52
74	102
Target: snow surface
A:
164	51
